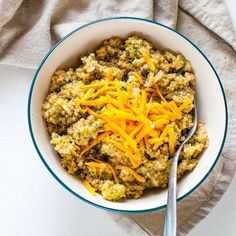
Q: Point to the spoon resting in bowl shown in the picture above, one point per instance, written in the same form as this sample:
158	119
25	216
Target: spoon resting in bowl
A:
171	214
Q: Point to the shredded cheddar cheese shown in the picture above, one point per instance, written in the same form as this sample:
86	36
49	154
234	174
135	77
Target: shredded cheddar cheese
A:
148	106
139	77
135	130
145	123
88	186
114	126
102	90
132	158
116	144
95	164
141	143
109	74
142	133
186	103
165	131
100	164
148	60
88	94
171	141
159	93
146	141
132	172
143	101
94	142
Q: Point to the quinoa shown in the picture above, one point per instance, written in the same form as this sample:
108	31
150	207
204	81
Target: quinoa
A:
117	118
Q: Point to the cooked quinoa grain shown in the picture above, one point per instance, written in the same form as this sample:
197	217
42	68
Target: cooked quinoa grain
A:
117	119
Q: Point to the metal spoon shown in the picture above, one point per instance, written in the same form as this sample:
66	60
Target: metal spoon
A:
170	217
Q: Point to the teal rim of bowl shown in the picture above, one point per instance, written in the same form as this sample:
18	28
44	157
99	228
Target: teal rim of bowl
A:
51	171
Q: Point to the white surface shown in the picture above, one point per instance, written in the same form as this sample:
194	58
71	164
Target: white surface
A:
33	203
231	5
206	88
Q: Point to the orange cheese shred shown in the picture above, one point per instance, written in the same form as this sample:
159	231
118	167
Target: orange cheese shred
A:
113	101
139	77
165	131
88	94
143	101
141	143
155	140
95	164
163	111
122	114
132	158
142	133
148	106
102	90
88	186
148	60
161	122
132	172
150	90
171	141
95	141
146	141
109	74
175	109
130	126
158	144
186	103
154	133
157	117
116	144
159	93
92	112
113	126
99	164
135	130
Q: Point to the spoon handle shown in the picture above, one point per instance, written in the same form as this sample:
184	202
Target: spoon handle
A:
170	216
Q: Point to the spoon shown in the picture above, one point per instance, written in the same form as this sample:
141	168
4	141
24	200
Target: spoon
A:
170	217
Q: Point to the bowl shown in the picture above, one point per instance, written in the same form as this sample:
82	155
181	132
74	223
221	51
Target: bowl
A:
210	97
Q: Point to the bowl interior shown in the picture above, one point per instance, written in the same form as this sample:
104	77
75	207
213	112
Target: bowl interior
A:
210	102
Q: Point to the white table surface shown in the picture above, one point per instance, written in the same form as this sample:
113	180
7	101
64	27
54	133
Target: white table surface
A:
33	203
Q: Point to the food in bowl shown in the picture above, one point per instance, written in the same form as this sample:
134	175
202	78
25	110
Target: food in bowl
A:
116	119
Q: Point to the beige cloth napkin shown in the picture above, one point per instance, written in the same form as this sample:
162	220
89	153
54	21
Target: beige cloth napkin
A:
29	28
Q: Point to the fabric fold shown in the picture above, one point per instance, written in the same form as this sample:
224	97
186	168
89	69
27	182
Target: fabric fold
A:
213	15
8	10
166	12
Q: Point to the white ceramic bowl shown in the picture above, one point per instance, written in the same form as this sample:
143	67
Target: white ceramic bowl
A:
211	104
